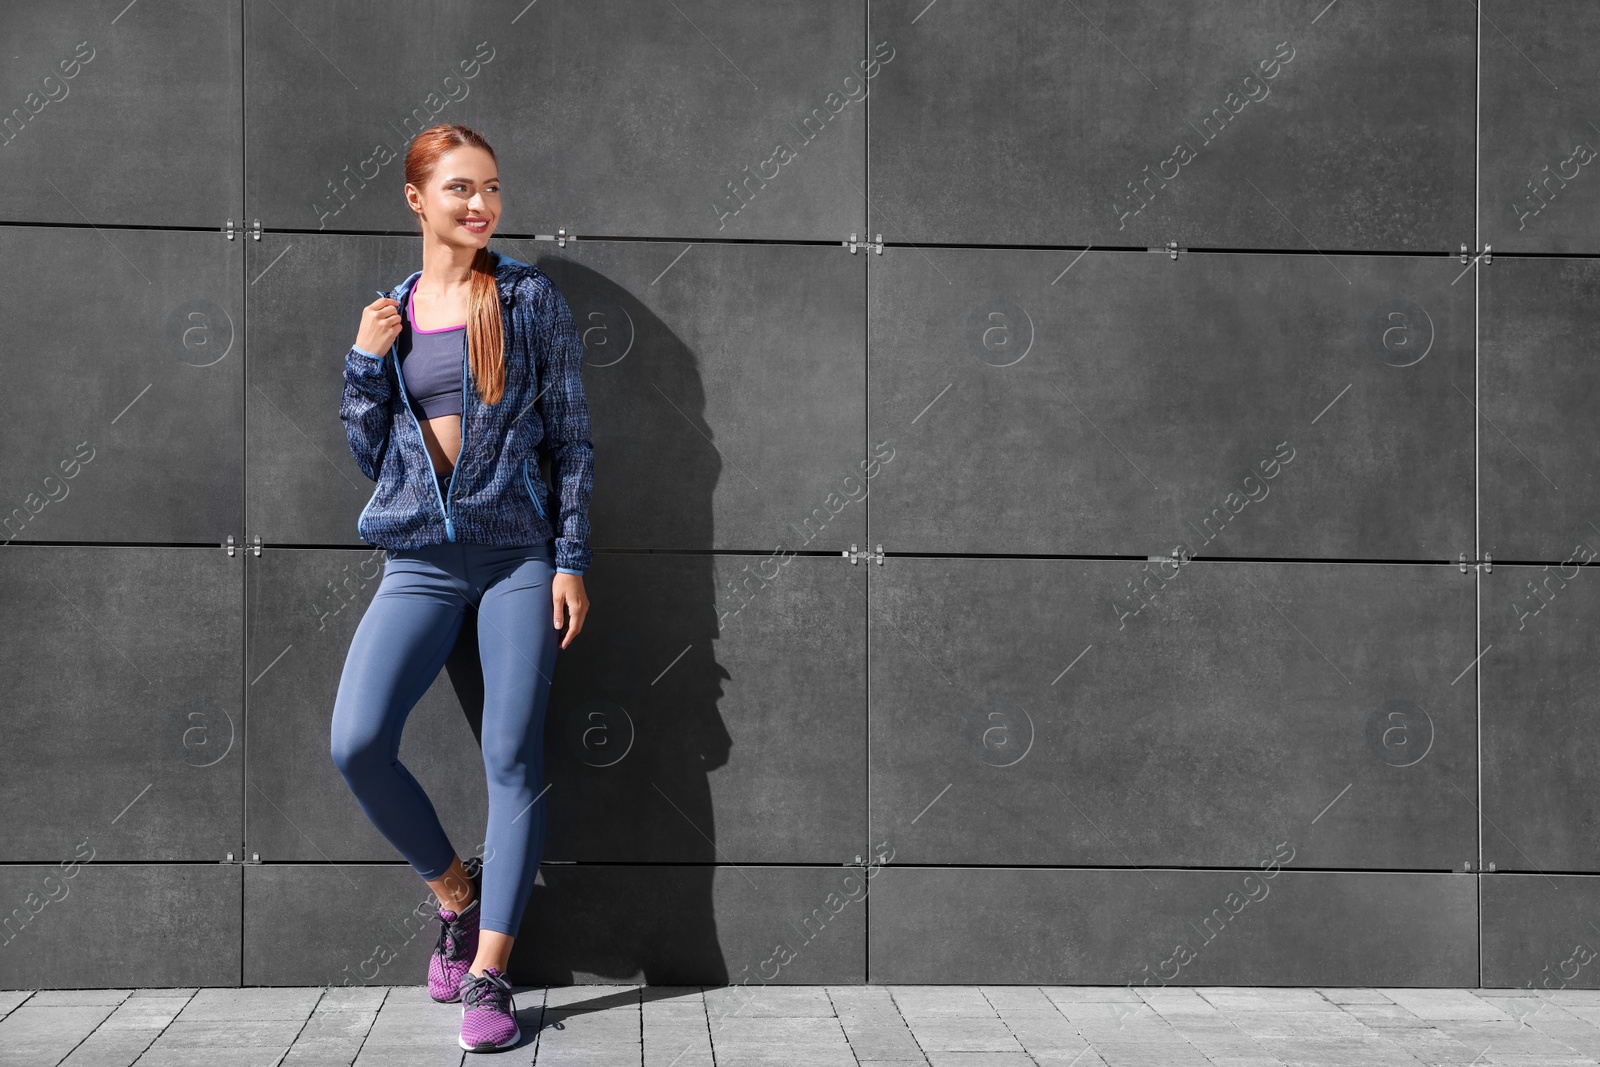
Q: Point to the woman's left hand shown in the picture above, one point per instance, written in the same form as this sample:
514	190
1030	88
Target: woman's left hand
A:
566	590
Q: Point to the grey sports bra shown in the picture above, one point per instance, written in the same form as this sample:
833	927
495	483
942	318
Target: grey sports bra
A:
430	360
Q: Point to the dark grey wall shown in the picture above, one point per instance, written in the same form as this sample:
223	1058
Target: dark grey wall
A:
1231	624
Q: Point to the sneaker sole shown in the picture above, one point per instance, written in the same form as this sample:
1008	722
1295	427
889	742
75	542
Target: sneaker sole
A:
486	1046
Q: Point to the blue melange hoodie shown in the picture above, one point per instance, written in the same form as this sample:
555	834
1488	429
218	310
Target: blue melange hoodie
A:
496	494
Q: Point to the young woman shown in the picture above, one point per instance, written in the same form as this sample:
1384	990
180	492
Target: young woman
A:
459	380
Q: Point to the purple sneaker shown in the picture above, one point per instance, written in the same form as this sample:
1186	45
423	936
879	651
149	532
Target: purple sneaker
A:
457	946
488	1014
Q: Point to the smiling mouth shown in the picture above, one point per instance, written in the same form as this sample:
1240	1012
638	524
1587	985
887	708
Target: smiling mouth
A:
475	225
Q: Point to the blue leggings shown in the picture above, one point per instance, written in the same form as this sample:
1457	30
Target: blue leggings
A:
399	647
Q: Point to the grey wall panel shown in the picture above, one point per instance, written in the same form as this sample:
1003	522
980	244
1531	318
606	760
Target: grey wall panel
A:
306	295
1017	718
123	703
1099	927
1030	122
664	925
724	386
714	708
1538	388
120	117
1135	403
1540	738
93	924
1537	193
1539	933
667	739
122	374
714	119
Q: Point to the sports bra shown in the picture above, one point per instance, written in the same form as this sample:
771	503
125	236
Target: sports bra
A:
430	360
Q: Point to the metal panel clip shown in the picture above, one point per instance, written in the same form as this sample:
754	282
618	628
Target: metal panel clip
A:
850	244
227	228
258	544
228	544
256	228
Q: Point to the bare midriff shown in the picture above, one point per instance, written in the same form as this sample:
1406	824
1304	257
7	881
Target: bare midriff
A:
441	434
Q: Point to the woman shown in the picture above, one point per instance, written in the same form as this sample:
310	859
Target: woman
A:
447	406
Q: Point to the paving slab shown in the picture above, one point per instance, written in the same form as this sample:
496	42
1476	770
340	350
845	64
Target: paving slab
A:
1340	995
965	1001
787	1031
341	1025
884	1046
317	1056
108	1048
1445	1004
1384	1015
1089	993
57	998
591	997
777	1058
1150	1055
228	1033
325	1048
963	1035
10	999
1016	997
860	995
47	1034
1043	1030
768	1001
242	1056
430	1058
1367	1052
142	1015
355	998
676	1045
1110	1013
813	1026
980	1059
1296	999
252	1002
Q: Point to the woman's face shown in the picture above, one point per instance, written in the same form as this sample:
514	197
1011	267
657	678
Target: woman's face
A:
460	204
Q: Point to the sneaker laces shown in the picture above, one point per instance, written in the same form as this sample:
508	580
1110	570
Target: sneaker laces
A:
487	991
451	944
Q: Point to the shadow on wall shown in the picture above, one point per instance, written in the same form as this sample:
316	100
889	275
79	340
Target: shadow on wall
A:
633	728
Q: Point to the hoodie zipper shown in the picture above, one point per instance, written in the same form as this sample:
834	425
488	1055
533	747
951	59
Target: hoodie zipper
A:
537	506
449	526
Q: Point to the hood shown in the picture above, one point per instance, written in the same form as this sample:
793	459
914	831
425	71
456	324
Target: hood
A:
507	273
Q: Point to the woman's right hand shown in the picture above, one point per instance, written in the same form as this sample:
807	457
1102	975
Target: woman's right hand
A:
380	325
